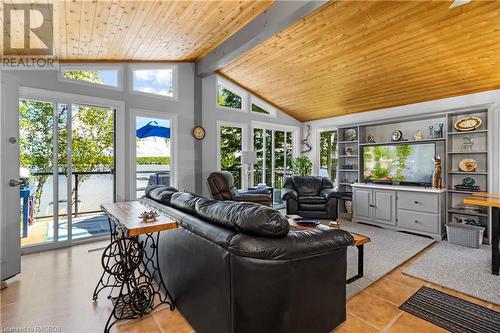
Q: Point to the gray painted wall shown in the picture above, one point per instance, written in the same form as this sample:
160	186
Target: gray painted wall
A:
183	107
211	115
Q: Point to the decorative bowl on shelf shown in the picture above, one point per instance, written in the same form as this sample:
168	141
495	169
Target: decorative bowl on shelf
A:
350	134
468	124
467	165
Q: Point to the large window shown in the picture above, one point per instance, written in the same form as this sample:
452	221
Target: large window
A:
328	155
229	96
67	155
274	156
157	80
107	76
230	147
261	107
153	152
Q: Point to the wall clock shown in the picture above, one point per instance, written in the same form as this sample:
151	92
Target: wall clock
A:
199	133
396	135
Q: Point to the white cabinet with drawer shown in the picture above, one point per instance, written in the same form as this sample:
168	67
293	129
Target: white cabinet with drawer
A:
404	208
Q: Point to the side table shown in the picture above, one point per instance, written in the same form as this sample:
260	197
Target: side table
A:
132	273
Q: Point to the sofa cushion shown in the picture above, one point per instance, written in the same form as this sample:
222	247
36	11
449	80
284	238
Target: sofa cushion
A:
307	185
160	193
185	202
246	217
312	199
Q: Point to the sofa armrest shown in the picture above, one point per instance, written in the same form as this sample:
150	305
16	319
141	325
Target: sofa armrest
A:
329	193
258	198
288	193
257	191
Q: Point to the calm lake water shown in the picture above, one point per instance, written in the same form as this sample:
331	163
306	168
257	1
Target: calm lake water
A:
92	192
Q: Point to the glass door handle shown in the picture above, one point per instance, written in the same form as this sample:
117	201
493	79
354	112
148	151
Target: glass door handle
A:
14	182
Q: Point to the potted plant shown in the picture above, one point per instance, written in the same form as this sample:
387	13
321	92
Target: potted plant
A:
302	166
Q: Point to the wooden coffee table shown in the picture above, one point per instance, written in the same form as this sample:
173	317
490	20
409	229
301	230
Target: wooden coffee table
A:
359	242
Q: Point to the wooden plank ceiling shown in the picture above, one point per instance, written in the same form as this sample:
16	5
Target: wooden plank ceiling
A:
146	30
357	56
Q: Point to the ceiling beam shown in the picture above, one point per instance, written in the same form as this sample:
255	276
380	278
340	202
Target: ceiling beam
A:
277	17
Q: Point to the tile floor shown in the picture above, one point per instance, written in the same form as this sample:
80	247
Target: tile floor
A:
55	289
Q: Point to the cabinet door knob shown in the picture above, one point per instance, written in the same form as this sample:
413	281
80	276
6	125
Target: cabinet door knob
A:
416	202
415	221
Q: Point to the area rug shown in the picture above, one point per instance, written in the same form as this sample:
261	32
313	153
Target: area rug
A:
387	250
459	268
452	313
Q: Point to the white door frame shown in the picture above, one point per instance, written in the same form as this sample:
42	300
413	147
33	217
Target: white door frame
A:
295	130
13	154
244	145
172	117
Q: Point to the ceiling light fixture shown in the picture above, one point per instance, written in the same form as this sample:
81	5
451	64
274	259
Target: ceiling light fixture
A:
458	3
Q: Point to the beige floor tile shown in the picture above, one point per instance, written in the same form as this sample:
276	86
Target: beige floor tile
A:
408	323
355	325
171	321
405	280
390	291
144	325
372	309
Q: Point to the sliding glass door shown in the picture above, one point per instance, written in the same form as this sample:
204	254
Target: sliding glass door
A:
274	158
67	159
230	148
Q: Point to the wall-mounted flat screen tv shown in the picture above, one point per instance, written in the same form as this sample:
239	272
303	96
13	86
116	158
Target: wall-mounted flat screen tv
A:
399	163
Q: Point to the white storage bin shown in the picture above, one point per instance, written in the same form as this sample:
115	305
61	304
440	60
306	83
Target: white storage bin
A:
465	234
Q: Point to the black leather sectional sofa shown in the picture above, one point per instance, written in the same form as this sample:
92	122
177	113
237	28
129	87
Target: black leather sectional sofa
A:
238	267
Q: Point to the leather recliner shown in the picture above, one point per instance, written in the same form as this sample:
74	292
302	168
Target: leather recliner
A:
221	185
310	196
239	267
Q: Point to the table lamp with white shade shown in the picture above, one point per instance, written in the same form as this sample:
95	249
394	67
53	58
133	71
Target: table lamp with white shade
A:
248	158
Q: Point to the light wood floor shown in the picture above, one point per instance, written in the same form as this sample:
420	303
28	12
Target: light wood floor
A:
55	289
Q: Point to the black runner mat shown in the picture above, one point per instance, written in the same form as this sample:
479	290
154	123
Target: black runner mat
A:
451	313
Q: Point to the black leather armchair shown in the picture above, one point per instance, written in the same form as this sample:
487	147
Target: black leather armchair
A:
222	187
309	196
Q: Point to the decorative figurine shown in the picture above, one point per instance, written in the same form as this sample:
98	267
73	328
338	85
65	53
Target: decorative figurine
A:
467	144
418	136
349	151
371	138
148	217
436	175
438	133
431	132
305	142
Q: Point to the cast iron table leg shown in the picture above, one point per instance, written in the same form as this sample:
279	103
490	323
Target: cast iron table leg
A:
360	265
495	235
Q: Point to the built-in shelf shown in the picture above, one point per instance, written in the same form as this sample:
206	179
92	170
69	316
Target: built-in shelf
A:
469	152
466	212
345	142
348	156
463	192
348	170
400	142
347	184
468	173
468	132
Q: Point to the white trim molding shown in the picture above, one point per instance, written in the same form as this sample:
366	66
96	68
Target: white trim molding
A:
175	80
82	67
